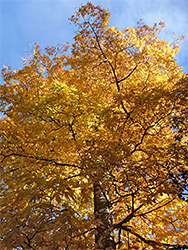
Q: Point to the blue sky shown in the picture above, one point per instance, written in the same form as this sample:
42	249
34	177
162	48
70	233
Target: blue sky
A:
46	22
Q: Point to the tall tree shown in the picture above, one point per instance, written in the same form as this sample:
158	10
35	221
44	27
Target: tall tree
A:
93	142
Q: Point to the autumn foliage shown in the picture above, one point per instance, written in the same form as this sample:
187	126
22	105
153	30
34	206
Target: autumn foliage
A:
93	145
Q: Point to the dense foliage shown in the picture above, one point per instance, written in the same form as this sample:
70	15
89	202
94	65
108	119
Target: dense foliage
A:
93	146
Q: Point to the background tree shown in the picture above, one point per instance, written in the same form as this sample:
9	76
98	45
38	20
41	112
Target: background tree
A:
93	144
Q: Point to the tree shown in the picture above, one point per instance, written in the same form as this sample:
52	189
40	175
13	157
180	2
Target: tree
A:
93	142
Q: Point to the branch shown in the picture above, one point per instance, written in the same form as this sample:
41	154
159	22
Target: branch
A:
28	239
123	79
150	211
40	159
128	218
105	57
35	233
113	69
146	129
72	130
70	177
139	143
150	242
124	195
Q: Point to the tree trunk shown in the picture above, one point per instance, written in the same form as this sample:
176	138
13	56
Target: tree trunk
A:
103	213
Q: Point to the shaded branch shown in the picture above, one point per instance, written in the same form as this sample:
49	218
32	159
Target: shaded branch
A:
113	69
28	242
123	79
40	159
146	129
150	242
150	211
128	218
72	130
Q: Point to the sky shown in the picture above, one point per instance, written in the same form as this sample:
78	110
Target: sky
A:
23	22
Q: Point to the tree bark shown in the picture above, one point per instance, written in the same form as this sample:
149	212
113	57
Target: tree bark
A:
104	239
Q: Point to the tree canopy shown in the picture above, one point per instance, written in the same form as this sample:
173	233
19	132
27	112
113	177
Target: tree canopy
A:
93	145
